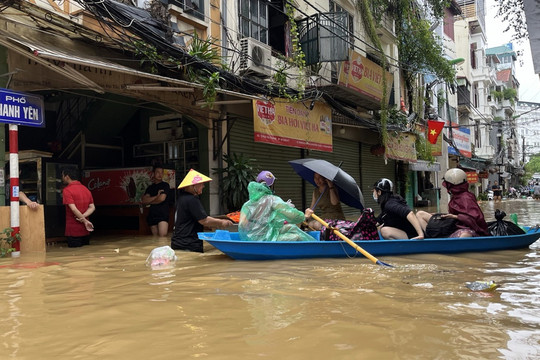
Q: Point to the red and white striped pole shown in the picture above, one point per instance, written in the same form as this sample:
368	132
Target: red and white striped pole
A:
14	182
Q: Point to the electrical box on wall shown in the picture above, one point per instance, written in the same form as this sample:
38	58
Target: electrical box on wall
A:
165	128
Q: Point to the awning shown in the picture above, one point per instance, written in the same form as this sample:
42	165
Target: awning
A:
422	165
42	53
473	164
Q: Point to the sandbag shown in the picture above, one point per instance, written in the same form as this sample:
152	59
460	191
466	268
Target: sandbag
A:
439	227
501	227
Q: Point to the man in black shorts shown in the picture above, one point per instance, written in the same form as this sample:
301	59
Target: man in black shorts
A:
156	196
497	191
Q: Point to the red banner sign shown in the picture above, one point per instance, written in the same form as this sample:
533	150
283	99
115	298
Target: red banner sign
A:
121	186
472	177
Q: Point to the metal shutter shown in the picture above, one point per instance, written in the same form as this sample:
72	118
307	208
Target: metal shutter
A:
269	157
345	151
374	168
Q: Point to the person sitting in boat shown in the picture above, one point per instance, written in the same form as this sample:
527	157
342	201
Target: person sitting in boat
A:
328	204
266	217
462	206
397	220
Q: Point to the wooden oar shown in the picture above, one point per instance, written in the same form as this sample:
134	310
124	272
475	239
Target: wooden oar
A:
350	242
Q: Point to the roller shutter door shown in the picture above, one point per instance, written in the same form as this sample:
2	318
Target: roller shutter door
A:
345	151
374	168
268	157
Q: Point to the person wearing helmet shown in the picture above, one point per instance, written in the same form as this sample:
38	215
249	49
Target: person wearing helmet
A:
397	220
328	204
266	177
266	217
462	206
191	217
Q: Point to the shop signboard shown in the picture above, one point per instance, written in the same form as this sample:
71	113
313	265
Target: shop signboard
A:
122	186
472	177
364	76
462	139
19	108
402	147
299	125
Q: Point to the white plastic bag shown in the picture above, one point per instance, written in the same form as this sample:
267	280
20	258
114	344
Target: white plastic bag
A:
161	257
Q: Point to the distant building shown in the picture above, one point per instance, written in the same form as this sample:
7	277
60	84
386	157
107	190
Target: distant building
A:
528	128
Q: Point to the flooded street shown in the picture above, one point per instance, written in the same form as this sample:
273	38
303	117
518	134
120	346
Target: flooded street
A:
102	302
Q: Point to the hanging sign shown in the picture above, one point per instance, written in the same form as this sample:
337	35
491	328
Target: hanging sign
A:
462	139
21	109
401	147
472	177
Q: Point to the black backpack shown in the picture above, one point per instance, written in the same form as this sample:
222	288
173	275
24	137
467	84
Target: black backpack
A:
438	227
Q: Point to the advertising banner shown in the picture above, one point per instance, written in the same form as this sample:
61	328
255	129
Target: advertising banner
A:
462	139
364	76
402	147
293	124
472	177
121	186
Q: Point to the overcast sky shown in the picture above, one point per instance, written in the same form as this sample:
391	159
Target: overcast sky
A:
529	82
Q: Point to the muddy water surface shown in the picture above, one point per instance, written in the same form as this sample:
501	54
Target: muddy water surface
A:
102	302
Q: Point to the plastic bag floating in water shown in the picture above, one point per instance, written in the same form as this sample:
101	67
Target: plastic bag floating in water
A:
481	285
161	257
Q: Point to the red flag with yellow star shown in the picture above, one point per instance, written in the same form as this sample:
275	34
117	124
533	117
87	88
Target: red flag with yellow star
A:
434	129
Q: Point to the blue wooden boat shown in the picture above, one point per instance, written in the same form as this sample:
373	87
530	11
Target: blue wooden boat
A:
230	244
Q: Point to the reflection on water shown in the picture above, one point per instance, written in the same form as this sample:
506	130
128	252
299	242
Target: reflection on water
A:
103	302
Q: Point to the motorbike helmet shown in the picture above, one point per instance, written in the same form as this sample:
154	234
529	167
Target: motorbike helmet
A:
266	177
384	185
455	176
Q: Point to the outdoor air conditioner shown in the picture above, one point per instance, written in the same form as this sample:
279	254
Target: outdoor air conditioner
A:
255	57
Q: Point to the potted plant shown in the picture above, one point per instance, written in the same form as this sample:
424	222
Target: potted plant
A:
236	176
7	238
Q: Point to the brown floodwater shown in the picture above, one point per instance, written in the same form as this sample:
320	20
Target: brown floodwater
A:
102	302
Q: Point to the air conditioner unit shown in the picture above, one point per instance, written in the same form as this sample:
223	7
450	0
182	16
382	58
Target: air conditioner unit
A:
255	57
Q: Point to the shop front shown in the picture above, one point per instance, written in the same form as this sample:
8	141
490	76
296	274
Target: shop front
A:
102	115
352	148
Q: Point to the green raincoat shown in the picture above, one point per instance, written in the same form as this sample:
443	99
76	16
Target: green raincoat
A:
264	215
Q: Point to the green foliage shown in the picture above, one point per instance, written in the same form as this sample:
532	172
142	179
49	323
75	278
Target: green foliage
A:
418	48
482	196
497	95
205	51
365	9
297	60
7	240
423	149
148	55
533	166
509	93
394	117
441	97
512	13
237	174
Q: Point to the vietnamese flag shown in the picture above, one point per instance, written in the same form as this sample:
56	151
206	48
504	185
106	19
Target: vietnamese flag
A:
434	129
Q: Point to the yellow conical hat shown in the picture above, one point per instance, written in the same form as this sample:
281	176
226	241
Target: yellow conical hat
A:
193	177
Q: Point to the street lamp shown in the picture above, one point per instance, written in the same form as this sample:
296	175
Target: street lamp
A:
457	61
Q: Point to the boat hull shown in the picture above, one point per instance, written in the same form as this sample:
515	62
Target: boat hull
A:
230	244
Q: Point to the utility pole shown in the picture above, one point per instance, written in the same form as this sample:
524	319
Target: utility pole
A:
523	152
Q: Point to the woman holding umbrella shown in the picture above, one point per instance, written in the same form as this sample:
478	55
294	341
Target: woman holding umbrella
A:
328	203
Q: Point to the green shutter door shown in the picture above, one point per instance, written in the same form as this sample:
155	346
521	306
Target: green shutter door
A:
374	168
269	157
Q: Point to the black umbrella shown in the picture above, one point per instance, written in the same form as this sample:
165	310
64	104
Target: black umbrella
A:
349	192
